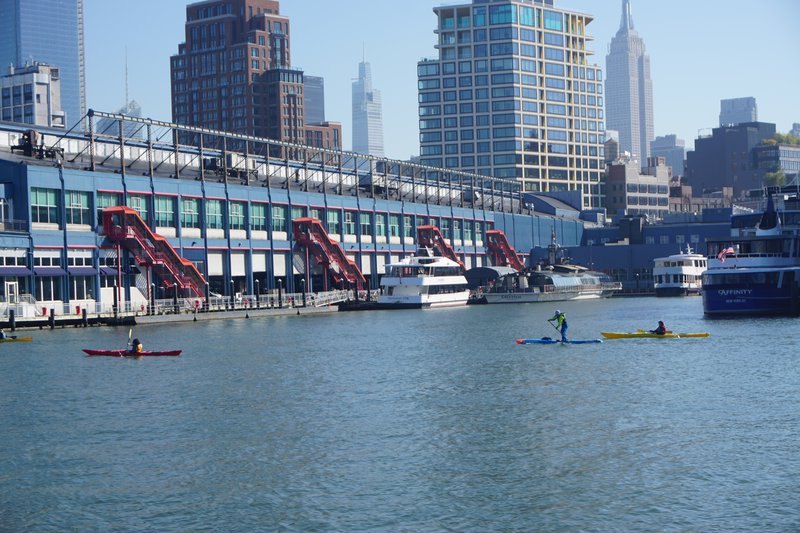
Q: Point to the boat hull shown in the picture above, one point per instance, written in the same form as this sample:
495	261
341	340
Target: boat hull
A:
749	301
648	335
126	353
546	340
677	291
533	297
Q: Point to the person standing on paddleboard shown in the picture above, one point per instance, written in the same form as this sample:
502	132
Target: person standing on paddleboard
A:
561	324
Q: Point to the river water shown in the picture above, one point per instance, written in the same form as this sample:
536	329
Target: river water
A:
408	421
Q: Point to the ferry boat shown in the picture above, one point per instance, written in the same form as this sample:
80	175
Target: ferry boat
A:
552	283
679	274
423	281
554	280
755	272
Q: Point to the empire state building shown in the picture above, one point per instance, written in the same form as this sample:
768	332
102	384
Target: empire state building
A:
629	90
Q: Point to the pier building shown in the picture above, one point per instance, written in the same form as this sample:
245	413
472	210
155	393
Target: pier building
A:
102	219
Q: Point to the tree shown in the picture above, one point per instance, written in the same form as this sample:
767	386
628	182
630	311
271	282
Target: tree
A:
775	179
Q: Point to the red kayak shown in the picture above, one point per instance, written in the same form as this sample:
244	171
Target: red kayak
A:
126	353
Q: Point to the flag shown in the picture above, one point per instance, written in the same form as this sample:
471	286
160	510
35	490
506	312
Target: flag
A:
724	252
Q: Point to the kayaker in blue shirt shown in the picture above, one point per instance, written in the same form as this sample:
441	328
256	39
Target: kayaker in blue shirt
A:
661	329
561	324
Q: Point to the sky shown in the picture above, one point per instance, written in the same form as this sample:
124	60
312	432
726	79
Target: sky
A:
701	51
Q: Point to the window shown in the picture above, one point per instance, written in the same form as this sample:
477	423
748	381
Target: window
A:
139	204
214	214
258	217
278	218
190	214
78	208
365	223
334	222
48	288
380	225
106	199
394	225
165	211
349	223
80	287
236	215
44	206
408	227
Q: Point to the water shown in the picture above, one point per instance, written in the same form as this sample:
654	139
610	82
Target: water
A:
408	421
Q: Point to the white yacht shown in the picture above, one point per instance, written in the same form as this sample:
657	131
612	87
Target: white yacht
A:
423	281
550	284
679	274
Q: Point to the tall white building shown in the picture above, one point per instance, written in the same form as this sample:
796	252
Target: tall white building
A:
629	89
32	95
367	114
513	94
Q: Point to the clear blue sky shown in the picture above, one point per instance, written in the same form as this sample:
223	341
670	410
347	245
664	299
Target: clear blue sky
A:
701	51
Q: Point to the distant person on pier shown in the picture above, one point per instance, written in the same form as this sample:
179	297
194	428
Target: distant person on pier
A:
661	329
3	334
561	324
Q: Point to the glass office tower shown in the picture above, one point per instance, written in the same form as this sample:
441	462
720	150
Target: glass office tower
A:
51	32
367	114
513	95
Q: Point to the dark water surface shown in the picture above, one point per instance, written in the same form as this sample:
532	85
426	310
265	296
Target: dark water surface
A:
408	421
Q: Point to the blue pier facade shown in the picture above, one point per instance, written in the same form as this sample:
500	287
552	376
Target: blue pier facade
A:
229	213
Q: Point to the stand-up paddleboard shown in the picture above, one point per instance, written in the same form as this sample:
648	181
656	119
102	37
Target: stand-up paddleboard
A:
548	340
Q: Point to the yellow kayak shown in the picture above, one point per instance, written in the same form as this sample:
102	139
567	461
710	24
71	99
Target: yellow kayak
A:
641	334
17	339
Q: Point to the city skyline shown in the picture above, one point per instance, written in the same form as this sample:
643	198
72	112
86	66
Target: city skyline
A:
687	91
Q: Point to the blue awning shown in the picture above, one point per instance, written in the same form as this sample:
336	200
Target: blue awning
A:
49	271
108	271
14	271
82	271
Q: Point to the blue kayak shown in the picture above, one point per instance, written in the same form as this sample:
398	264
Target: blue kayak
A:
548	340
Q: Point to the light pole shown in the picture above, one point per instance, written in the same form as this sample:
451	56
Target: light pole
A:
280	293
258	294
208	298
232	295
637	282
303	288
152	298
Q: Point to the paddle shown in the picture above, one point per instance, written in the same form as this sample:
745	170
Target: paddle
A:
130	335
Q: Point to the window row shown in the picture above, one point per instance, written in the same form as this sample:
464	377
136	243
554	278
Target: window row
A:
213	214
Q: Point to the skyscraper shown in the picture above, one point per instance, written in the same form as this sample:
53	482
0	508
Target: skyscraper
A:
233	73
734	111
51	32
672	149
315	99
367	114
513	95
629	90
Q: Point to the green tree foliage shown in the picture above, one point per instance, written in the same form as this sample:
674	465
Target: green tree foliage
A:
775	179
787	139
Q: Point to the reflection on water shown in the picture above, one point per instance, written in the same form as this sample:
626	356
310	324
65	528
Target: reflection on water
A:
412	420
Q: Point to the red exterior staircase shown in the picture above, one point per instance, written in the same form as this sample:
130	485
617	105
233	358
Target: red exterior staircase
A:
124	226
310	233
431	237
502	252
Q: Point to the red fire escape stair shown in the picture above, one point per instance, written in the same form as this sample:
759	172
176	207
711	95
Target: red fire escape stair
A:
124	226
431	237
310	233
502	252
